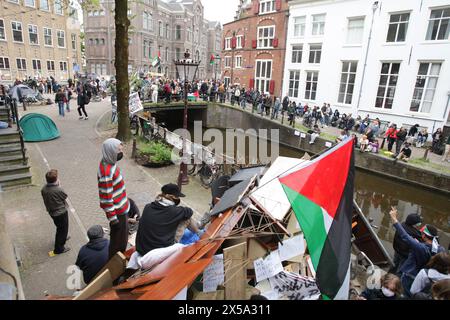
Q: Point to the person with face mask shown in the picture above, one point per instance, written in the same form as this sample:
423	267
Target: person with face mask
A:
161	219
391	289
113	195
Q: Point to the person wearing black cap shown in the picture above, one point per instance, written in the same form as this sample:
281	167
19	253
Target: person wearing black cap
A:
94	255
419	254
160	220
412	226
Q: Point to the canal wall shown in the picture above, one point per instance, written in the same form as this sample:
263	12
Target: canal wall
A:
224	117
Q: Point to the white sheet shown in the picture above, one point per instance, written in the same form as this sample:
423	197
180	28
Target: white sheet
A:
152	258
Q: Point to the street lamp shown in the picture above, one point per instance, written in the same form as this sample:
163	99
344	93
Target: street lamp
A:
217	57
186	68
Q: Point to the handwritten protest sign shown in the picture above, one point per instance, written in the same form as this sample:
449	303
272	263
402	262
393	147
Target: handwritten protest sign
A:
292	247
294	287
268	267
213	274
134	103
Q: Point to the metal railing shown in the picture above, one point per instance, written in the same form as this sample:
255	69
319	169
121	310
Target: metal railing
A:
13	117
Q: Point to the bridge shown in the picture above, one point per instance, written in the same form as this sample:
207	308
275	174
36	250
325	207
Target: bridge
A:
174	106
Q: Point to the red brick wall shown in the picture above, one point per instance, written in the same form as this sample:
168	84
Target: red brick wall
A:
248	26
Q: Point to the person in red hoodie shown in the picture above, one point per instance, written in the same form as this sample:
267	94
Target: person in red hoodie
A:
391	136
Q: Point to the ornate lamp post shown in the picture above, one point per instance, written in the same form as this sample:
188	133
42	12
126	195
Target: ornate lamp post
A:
186	70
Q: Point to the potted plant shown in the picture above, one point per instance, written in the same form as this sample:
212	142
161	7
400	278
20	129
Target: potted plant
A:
154	154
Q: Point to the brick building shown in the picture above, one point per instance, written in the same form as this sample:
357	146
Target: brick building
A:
254	45
166	27
38	38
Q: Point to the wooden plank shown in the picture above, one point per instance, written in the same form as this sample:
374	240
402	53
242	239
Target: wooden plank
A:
203	251
111	294
102	282
255	250
276	222
235	271
116	266
180	276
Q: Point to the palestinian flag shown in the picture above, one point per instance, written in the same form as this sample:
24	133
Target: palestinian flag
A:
321	195
157	61
212	59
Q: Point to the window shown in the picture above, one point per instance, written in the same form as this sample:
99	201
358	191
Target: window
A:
239	41
315	53
160	29
4	63
73	37
21	64
297	52
43	5
347	85
263	75
90	13
238	62
266	6
102	12
265	37
63	66
318	24
312	77
30	3
299	26
355	30
96	13
33	34
426	83
14	1
177	54
147	21
61	38
228	44
17	31
294	83
178	32
36	65
59	7
129	13
167	31
398	26
387	86
91	42
50	65
2	30
439	24
48	37
167	54
227	62
145	47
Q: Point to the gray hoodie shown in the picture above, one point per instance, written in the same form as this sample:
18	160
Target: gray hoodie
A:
110	149
424	279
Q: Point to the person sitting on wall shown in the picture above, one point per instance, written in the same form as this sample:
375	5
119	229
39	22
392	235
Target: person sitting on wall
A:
405	153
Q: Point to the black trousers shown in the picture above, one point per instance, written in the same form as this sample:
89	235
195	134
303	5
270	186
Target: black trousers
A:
119	236
80	108
391	143
62	229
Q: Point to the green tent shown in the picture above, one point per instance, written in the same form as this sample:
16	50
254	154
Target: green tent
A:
38	127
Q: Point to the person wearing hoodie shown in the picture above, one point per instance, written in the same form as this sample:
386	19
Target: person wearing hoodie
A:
391	289
94	255
437	269
420	252
113	195
412	226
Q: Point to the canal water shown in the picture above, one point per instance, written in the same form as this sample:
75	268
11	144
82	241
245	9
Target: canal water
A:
377	194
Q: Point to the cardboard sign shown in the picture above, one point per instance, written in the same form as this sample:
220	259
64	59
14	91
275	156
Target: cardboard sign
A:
268	267
294	287
292	247
214	274
134	103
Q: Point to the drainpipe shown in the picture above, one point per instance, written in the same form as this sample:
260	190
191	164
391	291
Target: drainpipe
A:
374	8
446	117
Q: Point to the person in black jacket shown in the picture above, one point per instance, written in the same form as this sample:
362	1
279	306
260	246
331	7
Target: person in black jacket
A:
391	289
412	226
94	255
160	220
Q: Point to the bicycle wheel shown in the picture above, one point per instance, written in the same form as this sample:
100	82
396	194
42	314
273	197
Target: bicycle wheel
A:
191	169
206	176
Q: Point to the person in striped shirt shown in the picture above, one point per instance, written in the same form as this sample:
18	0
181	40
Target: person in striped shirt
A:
113	195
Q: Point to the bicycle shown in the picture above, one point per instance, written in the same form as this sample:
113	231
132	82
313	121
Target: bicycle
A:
207	172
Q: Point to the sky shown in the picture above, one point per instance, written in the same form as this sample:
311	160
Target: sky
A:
220	10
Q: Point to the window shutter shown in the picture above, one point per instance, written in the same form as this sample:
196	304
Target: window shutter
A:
252	83
272	86
233	43
278	5
254	43
275	43
255	6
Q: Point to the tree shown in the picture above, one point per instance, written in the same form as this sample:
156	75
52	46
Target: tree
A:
121	64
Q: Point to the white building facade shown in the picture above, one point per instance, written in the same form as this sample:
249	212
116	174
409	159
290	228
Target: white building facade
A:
389	59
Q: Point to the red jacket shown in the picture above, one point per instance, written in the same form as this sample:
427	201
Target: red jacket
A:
391	133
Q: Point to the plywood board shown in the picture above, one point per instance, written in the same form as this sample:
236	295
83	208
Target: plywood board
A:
270	194
255	250
116	266
101	282
235	271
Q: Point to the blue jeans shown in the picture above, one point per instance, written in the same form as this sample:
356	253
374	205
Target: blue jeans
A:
61	108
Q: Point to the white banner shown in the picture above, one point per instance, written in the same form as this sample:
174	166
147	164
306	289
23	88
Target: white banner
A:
293	286
135	103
